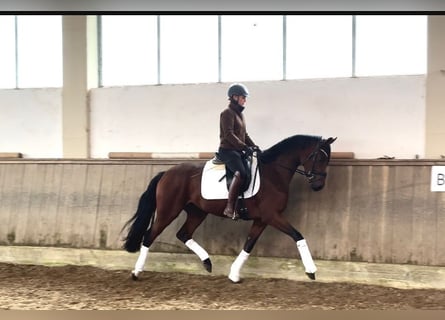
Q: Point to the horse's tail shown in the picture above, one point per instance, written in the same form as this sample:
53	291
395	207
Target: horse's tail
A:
143	217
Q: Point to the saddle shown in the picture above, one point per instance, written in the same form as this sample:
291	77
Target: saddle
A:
229	173
216	179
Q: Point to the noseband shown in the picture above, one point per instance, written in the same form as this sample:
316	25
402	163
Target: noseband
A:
311	174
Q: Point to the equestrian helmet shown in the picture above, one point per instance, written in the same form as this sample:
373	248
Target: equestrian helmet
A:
238	89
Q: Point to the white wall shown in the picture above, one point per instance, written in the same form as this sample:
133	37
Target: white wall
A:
370	116
31	122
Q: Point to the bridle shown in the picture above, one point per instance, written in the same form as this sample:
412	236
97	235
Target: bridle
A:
311	174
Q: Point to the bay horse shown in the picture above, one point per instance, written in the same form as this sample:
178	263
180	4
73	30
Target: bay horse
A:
179	188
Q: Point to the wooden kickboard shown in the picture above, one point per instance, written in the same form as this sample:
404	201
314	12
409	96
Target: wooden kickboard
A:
10	155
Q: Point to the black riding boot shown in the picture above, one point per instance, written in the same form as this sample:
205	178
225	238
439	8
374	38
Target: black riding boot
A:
230	210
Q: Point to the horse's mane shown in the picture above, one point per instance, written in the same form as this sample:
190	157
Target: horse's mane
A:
295	142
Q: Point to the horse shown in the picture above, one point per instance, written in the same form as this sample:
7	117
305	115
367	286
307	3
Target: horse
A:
179	188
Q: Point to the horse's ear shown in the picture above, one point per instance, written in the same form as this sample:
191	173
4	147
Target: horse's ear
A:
330	140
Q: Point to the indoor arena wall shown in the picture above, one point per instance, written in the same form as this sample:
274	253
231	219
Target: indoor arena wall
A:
374	211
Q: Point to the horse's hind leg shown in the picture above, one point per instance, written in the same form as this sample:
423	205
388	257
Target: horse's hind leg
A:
163	218
195	217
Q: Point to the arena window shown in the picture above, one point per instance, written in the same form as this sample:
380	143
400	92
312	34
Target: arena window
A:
147	50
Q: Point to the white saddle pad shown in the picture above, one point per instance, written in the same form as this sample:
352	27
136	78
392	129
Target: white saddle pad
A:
212	188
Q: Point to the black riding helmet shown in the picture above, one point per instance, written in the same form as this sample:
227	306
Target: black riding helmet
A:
238	89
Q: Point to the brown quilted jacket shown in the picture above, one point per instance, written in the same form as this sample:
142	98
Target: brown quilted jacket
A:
233	134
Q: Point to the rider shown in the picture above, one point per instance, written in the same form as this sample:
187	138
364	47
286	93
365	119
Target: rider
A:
235	143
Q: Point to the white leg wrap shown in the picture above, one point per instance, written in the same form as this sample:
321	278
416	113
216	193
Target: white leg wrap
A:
197	249
306	257
237	265
139	266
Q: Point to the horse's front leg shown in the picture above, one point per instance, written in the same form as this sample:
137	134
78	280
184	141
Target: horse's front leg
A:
255	231
280	223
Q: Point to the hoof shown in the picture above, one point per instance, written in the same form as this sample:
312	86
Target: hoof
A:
207	265
134	276
235	281
234	278
311	275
